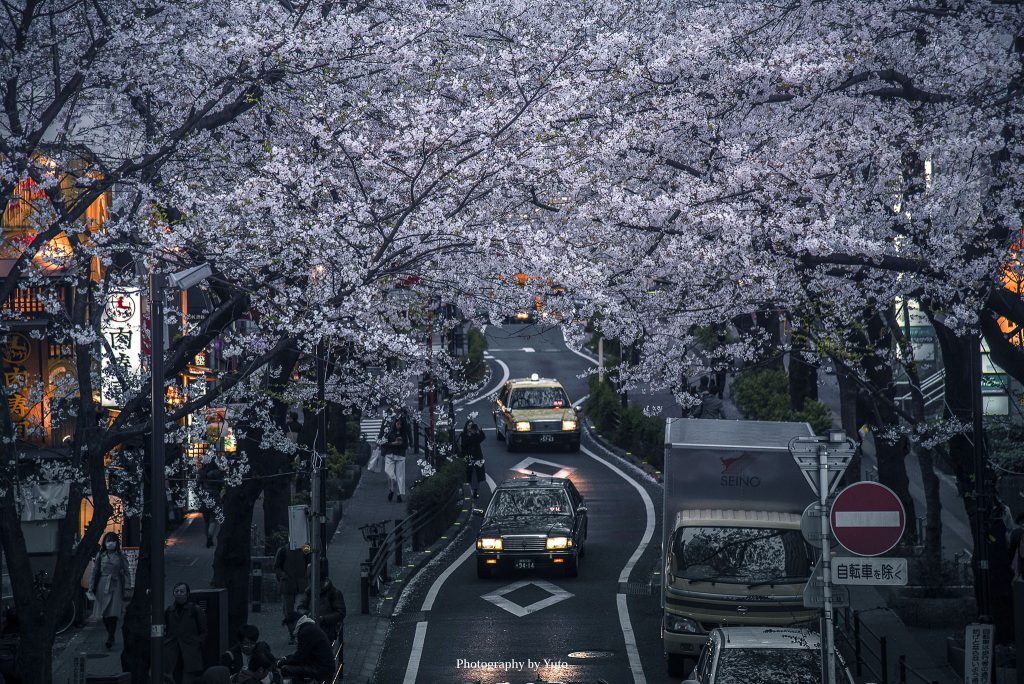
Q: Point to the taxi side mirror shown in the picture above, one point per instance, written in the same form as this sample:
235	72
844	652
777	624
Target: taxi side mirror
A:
478	511
582	509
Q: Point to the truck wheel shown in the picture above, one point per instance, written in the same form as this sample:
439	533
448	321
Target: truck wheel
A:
497	432
678	665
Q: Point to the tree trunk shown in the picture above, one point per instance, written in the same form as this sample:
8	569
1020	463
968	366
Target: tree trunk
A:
35	650
276	498
848	393
234	548
933	506
138	613
803	382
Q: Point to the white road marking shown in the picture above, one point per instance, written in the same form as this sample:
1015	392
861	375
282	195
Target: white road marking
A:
417	652
585	355
435	588
529	350
498	597
579	402
523	467
867	519
488	393
635	666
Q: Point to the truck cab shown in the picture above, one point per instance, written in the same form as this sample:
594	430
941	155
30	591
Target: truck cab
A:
733	553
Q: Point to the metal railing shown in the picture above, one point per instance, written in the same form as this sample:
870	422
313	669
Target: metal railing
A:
932	389
387	545
906	671
870	650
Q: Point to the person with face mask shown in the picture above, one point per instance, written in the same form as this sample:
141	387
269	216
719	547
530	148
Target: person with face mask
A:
185	630
238	656
111	583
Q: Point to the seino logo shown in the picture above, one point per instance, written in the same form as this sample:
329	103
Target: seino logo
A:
734	471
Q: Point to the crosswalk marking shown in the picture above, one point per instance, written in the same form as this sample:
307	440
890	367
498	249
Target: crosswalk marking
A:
370	427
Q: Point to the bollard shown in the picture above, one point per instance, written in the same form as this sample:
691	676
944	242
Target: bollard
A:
257	586
883	658
364	588
78	668
857	658
398	543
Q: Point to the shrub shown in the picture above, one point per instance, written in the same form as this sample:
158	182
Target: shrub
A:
763	394
435	490
336	461
473	365
627	428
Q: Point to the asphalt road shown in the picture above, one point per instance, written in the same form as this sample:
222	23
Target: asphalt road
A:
602	625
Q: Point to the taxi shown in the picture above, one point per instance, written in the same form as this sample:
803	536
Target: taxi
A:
535	411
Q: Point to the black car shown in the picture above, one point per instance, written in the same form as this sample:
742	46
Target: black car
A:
532	523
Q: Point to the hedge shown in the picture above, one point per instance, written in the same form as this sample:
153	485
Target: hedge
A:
627	428
763	394
473	365
436	489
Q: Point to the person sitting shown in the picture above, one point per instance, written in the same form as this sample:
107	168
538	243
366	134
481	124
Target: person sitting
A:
313	657
261	670
236	658
332	606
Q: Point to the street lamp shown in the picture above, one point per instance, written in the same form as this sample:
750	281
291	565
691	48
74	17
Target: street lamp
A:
182	280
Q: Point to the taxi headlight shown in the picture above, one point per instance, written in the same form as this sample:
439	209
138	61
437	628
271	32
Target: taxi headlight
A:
558	542
568	424
676	623
522	426
489	543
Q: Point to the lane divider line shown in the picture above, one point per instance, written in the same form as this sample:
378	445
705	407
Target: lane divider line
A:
488	393
416	653
585	355
635	666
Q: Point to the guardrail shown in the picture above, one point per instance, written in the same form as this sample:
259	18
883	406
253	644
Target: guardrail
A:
386	545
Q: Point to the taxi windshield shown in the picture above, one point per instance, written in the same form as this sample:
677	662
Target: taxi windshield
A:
538	398
529	502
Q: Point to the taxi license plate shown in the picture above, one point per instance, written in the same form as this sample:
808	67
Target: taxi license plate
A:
524	564
547	438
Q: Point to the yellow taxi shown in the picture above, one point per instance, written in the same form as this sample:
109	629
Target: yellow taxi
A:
535	411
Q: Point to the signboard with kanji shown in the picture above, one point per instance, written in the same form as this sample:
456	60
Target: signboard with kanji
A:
978	654
867	518
873	571
121	327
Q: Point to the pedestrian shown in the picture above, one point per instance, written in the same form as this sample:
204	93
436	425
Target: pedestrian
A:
111	583
1016	548
211	480
396	441
470	442
332	606
290	568
710	404
185	630
313	658
262	669
292	427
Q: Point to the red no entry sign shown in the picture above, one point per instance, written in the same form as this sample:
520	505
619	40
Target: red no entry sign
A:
868	518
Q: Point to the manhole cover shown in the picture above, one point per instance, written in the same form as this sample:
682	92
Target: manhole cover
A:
589	655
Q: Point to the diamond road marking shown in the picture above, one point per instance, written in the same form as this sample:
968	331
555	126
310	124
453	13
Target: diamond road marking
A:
523	468
498	597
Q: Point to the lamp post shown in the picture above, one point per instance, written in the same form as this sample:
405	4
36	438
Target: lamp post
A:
157	284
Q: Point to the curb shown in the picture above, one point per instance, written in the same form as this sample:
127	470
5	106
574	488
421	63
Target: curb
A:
452	533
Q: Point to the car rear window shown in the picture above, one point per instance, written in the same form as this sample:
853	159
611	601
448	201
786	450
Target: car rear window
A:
529	502
771	666
538	398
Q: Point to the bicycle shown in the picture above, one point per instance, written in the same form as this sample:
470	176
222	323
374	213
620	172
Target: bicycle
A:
67	615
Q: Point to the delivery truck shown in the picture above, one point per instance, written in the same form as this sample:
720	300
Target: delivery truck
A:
732	550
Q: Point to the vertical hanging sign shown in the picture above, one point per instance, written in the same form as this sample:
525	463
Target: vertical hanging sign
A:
121	327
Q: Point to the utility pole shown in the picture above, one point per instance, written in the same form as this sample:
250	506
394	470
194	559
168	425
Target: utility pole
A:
157	484
981	507
828	633
316	493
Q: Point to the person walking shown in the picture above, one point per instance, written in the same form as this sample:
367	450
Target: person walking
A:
111	583
185	625
211	479
470	442
396	441
332	606
290	568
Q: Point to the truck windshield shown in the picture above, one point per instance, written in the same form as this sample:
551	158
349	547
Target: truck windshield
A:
741	555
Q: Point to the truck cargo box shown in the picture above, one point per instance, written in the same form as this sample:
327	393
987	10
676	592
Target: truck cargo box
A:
732	464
